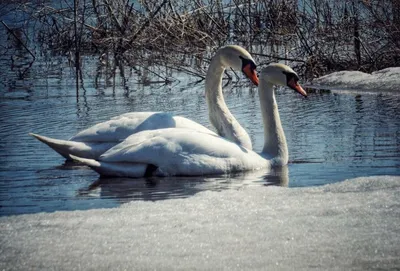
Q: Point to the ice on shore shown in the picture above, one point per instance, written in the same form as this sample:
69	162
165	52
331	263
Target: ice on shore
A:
354	224
387	80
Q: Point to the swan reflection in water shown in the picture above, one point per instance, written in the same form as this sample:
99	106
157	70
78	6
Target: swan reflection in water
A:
161	188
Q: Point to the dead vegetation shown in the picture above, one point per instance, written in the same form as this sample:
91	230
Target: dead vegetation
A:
158	37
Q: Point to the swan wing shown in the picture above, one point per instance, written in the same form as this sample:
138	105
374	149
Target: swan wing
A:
120	127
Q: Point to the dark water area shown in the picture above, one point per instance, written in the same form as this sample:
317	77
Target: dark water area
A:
331	136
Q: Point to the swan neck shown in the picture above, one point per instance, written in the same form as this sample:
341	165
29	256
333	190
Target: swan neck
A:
214	80
275	146
220	117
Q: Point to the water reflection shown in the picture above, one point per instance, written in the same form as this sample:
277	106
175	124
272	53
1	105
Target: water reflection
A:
156	188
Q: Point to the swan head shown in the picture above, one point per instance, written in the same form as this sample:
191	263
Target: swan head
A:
237	58
282	75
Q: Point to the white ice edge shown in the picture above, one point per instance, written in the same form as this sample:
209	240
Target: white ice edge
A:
386	80
354	224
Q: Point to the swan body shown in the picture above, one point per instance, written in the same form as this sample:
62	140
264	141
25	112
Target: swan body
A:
175	151
179	151
94	141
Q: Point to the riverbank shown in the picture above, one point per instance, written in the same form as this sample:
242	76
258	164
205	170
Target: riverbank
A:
386	80
351	225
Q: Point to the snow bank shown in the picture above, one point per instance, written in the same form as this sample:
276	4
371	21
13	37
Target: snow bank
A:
383	80
349	225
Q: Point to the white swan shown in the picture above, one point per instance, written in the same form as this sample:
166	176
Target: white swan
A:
94	141
176	151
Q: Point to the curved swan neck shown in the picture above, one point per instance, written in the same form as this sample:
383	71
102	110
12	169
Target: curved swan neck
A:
220	117
214	81
275	146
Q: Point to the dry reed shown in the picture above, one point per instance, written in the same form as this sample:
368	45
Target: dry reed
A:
315	36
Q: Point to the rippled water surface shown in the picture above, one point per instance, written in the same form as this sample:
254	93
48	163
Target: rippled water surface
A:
331	136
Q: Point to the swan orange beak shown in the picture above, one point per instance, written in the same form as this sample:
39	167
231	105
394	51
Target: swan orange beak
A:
296	86
250	73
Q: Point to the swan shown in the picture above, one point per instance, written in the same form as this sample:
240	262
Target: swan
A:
177	151
94	141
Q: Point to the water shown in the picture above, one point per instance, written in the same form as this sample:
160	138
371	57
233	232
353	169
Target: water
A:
331	136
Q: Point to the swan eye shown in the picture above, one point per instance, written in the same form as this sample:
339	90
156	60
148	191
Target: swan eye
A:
290	76
246	61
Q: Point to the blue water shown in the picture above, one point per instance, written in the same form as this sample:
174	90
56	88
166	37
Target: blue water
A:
331	136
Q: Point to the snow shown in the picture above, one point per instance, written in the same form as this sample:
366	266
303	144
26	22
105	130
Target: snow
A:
354	224
387	80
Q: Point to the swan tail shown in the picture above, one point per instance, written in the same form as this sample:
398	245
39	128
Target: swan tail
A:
60	146
89	162
67	147
132	170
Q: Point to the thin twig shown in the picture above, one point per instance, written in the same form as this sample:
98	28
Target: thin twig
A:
279	57
148	21
19	40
